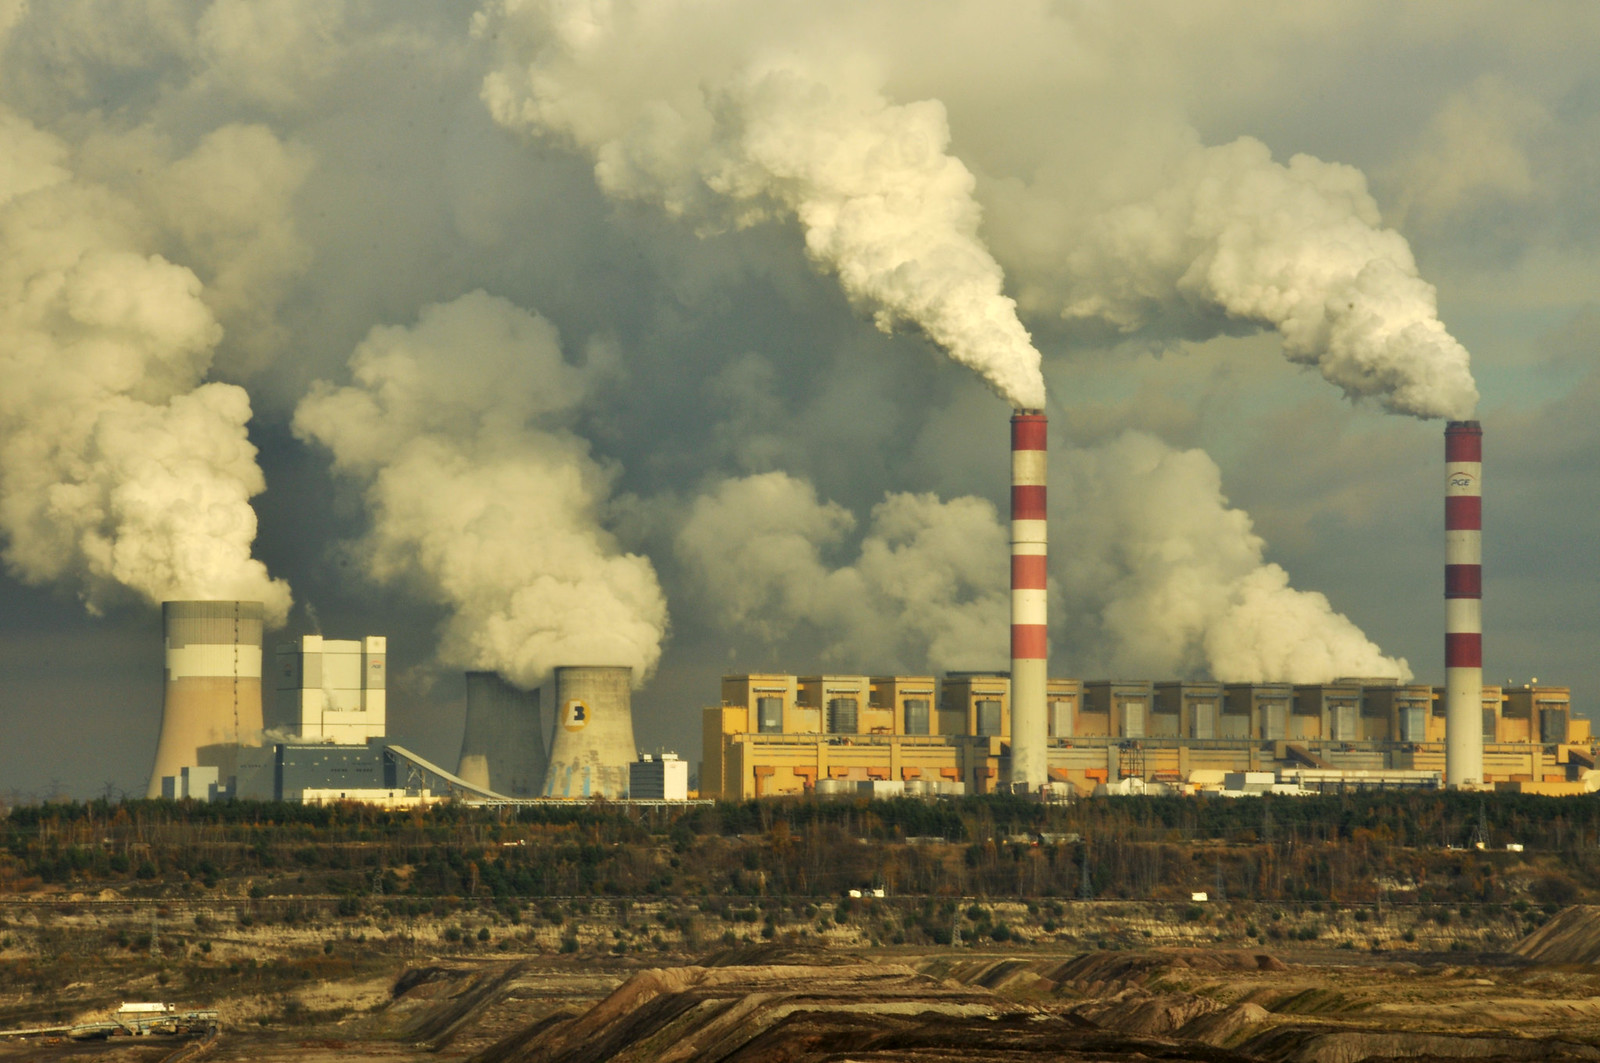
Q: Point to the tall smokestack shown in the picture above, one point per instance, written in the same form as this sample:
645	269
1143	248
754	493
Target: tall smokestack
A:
1030	638
213	692
1463	604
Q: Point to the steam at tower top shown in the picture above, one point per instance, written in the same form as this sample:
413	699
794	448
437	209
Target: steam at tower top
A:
732	113
882	202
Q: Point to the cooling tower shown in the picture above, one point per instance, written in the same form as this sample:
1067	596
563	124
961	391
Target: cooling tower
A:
593	743
1463	604
1030	639
502	748
213	692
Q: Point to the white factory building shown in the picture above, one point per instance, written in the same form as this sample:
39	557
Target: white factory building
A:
332	690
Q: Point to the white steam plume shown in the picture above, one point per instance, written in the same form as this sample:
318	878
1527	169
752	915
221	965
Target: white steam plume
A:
480	497
927	590
1300	248
881	201
1163	577
119	469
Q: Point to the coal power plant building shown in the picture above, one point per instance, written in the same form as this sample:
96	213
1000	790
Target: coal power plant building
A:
332	690
775	734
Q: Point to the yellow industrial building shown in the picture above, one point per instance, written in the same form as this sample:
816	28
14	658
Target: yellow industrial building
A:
778	734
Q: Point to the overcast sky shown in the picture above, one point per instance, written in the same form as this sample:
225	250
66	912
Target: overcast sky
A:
674	335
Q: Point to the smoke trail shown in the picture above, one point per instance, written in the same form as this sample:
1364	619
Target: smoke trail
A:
1163	578
119	470
1299	247
479	497
881	201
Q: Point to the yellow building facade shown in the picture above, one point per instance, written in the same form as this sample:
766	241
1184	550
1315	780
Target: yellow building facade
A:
776	734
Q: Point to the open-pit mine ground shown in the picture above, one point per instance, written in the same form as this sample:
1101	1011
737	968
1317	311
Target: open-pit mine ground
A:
670	980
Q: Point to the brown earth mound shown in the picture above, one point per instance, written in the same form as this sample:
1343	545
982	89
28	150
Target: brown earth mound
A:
1572	936
803	1014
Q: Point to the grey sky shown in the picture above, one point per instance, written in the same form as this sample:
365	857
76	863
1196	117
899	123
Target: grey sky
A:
372	182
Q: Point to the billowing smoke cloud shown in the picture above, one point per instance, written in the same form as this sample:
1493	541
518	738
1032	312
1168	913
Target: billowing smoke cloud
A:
1159	576
481	499
927	589
120	471
882	202
1299	247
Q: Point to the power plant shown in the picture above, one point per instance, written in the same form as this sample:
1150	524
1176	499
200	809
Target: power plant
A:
593	748
502	745
1019	732
213	682
1463	602
1030	632
333	690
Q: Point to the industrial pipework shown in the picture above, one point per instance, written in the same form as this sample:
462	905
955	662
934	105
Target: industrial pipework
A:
1030	637
1463	605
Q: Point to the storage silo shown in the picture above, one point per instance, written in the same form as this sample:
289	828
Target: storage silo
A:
593	744
213	686
502	748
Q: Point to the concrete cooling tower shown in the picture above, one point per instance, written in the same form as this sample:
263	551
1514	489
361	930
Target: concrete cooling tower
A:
502	748
593	743
213	692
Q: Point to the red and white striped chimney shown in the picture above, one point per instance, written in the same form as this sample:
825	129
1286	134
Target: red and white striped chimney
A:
1463	604
1030	638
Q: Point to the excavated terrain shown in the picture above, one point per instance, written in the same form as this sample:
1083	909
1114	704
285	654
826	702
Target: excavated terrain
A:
806	1002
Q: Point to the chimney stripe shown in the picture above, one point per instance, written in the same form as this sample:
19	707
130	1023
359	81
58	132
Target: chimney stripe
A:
1463	512
1463	581
1028	571
1463	649
1027	502
1030	642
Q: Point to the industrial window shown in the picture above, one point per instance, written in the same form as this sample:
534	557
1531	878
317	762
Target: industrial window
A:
842	716
1273	719
988	718
1488	725
769	715
1343	718
1061	719
916	716
1132	719
1413	723
1203	720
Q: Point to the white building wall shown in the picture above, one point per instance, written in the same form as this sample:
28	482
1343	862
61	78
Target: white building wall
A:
333	690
